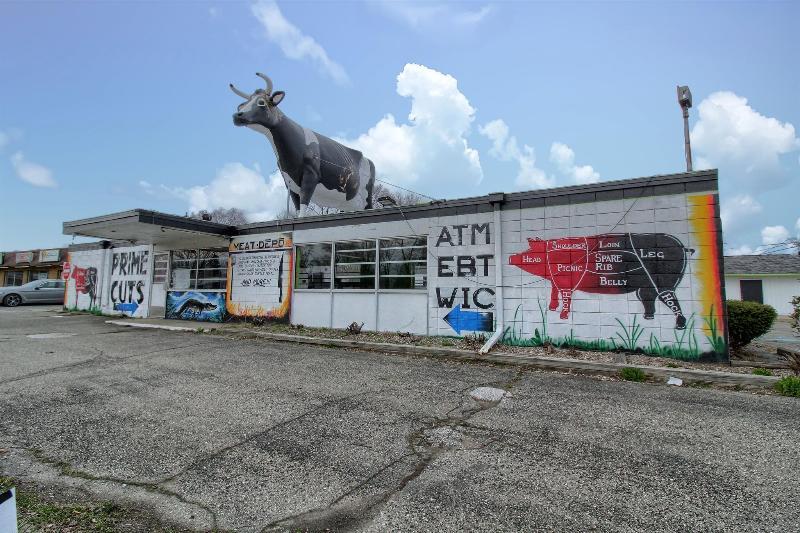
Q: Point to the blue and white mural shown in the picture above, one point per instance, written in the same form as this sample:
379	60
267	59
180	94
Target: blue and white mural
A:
196	305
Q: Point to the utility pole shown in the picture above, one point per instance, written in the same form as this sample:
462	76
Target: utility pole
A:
685	101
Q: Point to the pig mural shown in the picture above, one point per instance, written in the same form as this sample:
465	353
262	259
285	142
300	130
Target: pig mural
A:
649	264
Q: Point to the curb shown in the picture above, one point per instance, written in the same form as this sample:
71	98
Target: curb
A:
130	324
539	362
574	366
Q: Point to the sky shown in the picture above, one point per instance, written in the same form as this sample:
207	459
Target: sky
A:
110	106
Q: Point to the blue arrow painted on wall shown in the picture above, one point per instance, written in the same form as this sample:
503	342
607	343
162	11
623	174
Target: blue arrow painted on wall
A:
469	320
127	308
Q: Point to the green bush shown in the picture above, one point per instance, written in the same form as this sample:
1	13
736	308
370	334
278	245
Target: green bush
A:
789	386
748	320
795	316
632	374
761	372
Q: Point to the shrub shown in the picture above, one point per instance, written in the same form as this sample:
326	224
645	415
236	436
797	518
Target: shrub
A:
630	373
748	320
761	372
795	316
789	386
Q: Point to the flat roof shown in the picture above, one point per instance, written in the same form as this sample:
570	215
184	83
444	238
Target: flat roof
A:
141	225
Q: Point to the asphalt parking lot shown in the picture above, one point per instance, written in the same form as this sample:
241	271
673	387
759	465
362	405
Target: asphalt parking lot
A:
204	431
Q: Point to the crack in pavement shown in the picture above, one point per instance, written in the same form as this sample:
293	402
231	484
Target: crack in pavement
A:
101	356
424	443
67	470
209	457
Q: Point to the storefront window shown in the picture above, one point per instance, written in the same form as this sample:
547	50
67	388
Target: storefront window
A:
13	278
403	263
198	270
313	266
355	265
37	274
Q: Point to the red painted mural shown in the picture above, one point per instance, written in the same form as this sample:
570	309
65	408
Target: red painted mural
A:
649	264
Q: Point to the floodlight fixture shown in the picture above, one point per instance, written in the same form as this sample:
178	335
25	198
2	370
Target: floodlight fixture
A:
685	101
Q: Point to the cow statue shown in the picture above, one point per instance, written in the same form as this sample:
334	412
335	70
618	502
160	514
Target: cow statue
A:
315	168
649	264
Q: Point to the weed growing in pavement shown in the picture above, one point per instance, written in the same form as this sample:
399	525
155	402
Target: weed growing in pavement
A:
673	365
34	514
789	386
630	373
761	372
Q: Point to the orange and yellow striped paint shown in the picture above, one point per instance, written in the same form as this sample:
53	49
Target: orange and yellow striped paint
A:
704	226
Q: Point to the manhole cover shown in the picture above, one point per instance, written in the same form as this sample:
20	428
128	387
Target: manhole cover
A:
50	335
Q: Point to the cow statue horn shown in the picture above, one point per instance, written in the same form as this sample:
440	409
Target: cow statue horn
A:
238	92
266	79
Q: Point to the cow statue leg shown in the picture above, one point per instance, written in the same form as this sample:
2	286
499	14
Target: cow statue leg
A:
310	178
553	298
647	295
295	201
566	302
671	300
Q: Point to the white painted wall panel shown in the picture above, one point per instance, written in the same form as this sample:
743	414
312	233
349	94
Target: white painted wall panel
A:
349	307
778	291
403	312
311	309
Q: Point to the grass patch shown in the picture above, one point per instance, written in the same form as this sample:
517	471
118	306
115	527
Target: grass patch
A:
35	514
761	372
789	386
630	373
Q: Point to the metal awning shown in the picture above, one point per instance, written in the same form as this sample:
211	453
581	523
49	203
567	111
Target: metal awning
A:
140	226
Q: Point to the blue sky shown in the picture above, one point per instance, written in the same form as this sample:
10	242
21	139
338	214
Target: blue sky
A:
107	106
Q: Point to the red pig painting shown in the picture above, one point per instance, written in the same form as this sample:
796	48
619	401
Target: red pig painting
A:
650	264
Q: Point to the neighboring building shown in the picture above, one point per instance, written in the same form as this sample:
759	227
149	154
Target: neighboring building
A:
20	267
769	279
633	264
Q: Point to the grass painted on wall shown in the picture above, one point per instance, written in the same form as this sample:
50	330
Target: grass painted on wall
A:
628	338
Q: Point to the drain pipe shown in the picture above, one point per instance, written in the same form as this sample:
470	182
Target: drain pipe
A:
497	200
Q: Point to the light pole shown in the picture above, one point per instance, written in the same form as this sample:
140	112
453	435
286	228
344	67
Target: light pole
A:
685	101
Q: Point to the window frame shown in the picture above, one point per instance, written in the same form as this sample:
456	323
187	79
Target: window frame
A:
194	271
377	265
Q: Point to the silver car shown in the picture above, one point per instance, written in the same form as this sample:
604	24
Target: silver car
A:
50	291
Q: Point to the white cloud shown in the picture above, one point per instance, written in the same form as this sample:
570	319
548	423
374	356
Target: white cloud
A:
743	143
235	185
564	158
9	136
293	43
797	227
741	250
736	210
505	148
774	235
434	15
33	173
433	145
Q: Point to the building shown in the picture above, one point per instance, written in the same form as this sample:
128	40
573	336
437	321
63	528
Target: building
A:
769	279
632	263
20	267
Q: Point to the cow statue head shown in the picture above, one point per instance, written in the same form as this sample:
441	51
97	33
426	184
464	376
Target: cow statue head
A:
260	108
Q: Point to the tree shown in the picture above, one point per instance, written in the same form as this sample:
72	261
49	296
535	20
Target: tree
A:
398	196
232	216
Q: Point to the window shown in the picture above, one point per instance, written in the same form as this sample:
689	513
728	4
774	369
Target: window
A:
52	284
313	266
13	278
752	290
403	263
204	270
354	265
160	267
37	274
